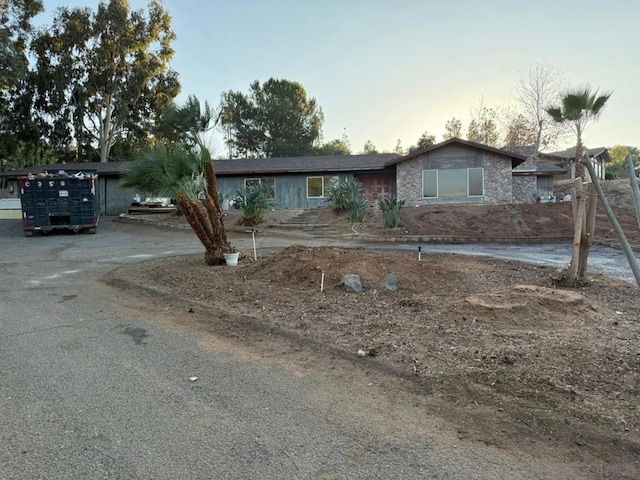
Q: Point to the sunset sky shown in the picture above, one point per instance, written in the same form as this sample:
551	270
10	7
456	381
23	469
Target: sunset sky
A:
389	70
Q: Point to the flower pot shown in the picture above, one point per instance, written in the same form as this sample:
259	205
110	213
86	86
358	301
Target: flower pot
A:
231	258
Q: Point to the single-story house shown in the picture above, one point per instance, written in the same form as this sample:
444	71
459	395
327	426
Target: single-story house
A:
453	171
599	157
297	182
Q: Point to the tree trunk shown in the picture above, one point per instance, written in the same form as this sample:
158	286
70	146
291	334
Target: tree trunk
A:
572	272
191	216
634	185
633	262
205	218
588	229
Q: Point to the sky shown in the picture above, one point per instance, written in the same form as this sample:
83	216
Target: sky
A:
385	70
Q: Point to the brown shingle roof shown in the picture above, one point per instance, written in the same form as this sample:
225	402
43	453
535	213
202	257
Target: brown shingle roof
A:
570	153
242	166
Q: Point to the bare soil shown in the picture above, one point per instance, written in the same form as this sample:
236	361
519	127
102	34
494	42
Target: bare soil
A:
549	365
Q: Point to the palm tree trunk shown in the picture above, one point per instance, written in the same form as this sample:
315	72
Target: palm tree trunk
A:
212	187
192	217
574	173
588	229
217	222
572	272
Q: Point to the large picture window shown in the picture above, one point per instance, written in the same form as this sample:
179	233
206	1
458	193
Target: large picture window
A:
318	187
453	183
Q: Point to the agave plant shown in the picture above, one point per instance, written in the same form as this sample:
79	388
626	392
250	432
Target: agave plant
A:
390	208
254	200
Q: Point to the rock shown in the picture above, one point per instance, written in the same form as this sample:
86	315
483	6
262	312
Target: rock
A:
361	353
351	283
389	284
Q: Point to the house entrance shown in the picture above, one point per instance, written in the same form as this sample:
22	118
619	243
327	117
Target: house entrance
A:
376	188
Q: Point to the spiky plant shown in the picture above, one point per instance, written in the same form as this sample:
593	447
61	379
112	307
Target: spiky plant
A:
390	208
254	201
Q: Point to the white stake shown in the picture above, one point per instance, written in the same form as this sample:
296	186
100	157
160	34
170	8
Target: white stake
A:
322	283
419	253
255	253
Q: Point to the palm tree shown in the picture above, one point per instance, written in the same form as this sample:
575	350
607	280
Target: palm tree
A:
185	171
579	108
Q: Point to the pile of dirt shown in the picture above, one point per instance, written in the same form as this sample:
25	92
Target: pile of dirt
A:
562	364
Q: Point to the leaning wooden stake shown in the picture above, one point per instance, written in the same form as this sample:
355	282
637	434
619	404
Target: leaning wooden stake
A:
633	262
634	185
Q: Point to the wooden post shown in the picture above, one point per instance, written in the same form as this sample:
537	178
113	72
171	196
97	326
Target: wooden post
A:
572	271
634	185
588	229
633	262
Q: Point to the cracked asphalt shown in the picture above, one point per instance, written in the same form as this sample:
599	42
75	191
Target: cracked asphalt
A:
97	384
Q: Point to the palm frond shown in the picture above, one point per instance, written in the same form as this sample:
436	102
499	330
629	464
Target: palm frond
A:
599	102
555	113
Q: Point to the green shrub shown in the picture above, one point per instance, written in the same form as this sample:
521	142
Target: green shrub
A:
253	201
355	209
390	208
341	194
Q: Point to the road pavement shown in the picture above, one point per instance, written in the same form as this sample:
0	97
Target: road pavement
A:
95	383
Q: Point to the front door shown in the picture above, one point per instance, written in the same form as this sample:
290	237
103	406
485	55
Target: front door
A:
376	188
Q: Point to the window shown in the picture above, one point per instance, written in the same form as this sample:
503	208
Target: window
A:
453	183
430	183
476	182
318	187
251	182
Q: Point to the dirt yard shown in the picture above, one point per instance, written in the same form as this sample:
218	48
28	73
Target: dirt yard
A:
513	358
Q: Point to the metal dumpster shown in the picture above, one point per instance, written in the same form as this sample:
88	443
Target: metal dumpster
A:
66	200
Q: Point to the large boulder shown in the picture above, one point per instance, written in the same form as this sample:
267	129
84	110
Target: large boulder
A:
351	283
389	284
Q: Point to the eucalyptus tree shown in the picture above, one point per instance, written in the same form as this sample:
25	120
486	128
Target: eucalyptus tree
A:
184	170
104	75
15	31
16	132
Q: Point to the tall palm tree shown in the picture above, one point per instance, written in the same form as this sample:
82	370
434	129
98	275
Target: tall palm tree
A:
579	108
185	171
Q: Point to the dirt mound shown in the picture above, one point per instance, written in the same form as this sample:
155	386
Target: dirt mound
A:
504	222
531	307
619	193
563	364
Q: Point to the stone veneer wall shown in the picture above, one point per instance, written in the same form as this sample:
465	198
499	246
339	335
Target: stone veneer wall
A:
525	189
409	181
497	179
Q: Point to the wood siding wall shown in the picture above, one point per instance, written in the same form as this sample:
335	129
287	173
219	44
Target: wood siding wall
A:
291	190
